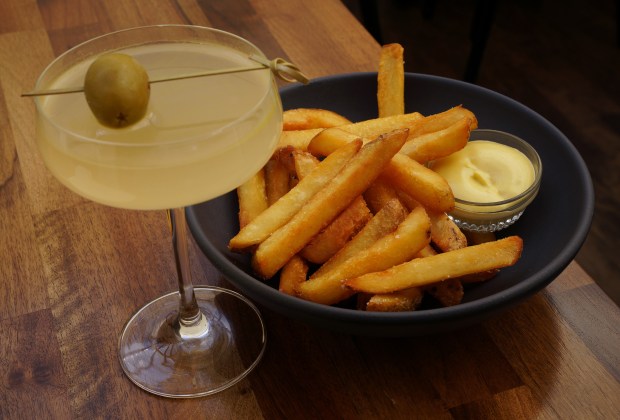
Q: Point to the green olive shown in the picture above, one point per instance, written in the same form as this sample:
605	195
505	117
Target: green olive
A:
117	90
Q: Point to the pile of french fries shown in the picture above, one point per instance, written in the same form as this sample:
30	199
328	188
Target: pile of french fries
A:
349	209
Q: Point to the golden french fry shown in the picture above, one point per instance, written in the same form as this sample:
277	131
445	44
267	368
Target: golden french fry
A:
448	292
286	207
355	177
401	301
252	198
475	238
276	180
452	243
336	234
406	199
328	242
383	222
445	234
427	251
423	184
379	194
307	118
298	139
330	139
286	156
391	81
293	273
438	144
442	120
395	248
368	129
423	271
304	163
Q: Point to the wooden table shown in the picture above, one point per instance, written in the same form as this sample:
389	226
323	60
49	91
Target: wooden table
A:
72	272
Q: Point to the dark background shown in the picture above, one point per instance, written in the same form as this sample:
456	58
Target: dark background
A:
560	58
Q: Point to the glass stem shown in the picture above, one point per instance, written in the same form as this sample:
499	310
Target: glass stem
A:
189	313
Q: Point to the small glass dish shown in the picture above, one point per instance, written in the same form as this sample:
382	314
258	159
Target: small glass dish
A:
498	215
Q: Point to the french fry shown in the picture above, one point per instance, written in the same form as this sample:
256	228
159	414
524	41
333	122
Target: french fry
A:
337	233
308	118
293	273
406	199
423	184
276	180
368	129
427	251
395	248
330	139
445	234
383	222
423	271
329	241
355	177
298	139
474	238
252	198
448	292
401	301
390	81
379	194
452	243
439	144
304	163
284	209
286	156
442	120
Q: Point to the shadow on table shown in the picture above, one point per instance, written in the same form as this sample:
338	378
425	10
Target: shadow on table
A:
515	354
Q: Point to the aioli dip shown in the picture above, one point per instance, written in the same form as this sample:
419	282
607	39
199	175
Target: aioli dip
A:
486	172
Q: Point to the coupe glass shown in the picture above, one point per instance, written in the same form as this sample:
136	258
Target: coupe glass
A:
201	138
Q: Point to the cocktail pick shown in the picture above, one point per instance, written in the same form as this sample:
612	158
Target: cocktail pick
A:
281	68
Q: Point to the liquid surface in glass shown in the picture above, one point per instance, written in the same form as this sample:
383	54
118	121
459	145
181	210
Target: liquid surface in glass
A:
201	137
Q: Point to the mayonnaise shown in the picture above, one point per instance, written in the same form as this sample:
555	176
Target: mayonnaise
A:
485	172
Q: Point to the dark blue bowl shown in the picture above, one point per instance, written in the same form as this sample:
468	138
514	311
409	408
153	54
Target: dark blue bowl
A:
553	227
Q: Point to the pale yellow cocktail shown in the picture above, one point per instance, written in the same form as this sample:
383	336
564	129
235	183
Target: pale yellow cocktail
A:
201	137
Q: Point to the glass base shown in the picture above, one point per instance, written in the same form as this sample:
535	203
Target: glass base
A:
168	359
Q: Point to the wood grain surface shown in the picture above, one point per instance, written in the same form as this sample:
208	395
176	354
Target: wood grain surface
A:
72	271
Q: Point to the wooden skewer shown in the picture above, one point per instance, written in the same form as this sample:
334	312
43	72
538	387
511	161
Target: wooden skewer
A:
279	66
